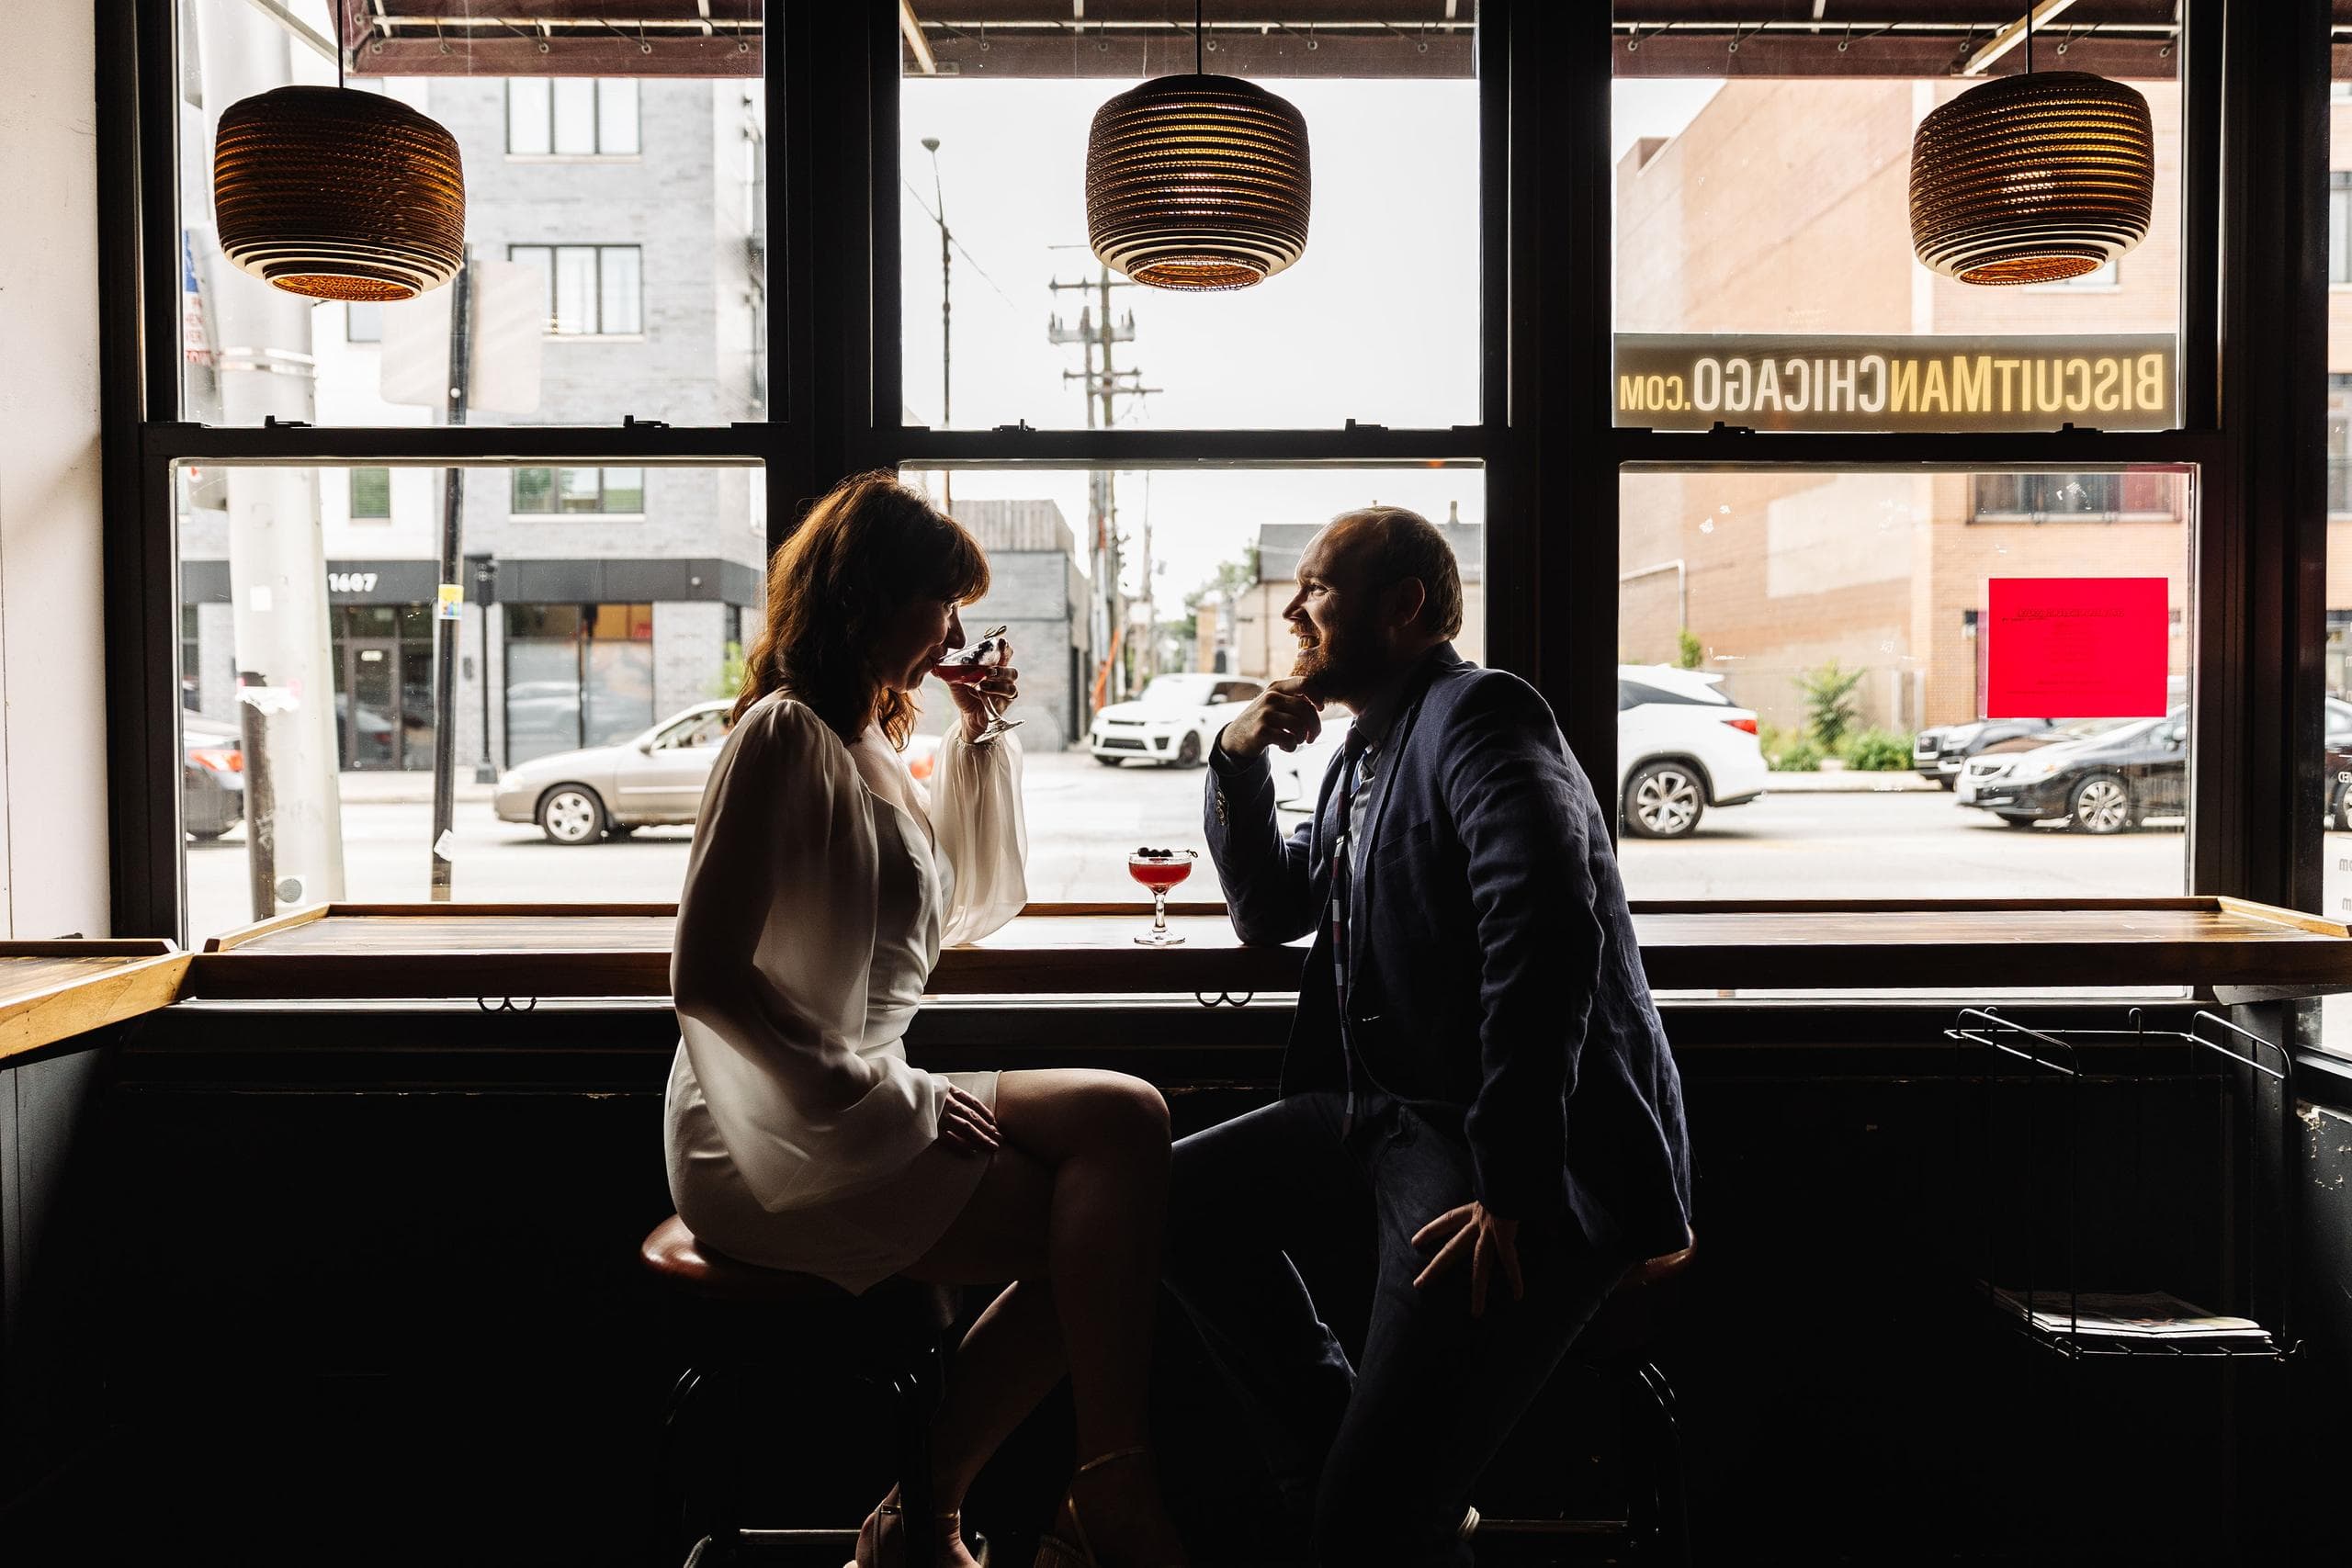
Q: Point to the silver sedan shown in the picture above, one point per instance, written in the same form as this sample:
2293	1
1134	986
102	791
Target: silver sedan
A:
579	797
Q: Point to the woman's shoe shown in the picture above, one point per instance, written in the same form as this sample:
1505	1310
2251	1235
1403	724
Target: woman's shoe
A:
888	1517
1056	1552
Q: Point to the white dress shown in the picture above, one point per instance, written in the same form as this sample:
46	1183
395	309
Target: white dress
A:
822	882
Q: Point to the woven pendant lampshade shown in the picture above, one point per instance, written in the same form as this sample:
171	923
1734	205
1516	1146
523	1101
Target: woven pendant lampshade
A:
2032	178
1197	182
338	195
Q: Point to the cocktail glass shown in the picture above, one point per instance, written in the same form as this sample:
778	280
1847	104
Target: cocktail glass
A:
968	667
1161	869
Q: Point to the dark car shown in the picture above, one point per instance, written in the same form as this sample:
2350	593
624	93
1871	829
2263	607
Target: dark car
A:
212	776
1942	750
2108	781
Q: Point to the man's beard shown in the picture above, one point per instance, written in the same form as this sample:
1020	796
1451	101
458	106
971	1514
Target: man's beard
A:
1327	666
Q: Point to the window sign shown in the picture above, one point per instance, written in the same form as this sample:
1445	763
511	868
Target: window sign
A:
1678	381
2086	647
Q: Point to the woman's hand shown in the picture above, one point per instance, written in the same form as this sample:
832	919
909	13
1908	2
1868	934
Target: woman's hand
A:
983	700
967	1125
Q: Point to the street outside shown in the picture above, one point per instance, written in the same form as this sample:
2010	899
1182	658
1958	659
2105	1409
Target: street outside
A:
1884	839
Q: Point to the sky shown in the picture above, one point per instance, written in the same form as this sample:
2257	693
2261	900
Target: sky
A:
1378	321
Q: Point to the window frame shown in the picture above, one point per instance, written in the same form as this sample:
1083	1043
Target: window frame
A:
1544	437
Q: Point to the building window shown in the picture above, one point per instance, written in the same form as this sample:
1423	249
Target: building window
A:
576	676
591	290
2080	497
371	495
549	491
191	659
2339	445
572	117
363	321
2339	226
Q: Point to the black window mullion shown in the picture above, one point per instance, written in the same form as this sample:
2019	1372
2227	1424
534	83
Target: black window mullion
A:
468	445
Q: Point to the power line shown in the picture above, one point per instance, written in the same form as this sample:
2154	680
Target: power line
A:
927	213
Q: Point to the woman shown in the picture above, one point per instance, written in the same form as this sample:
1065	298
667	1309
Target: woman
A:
821	886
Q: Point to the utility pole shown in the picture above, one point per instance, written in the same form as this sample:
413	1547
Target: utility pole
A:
1103	384
452	598
946	275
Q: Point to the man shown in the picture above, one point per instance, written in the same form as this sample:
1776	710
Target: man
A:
1475	1061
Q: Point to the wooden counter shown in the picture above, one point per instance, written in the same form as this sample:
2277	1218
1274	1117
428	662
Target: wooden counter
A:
2217	947
54	990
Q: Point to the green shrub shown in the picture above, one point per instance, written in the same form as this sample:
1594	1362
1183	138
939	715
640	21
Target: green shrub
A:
1787	751
1829	701
1877	751
1689	652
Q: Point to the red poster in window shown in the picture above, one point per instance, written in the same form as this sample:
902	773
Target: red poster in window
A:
2076	647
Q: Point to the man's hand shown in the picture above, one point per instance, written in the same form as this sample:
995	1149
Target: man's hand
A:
1484	1237
1282	715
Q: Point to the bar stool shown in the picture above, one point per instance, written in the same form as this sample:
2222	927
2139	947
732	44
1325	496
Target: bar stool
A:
1617	1348
744	1326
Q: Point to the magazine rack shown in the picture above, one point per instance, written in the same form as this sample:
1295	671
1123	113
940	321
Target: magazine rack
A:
2064	1316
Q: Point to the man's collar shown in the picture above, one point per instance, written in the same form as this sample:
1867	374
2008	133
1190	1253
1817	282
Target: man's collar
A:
1378	714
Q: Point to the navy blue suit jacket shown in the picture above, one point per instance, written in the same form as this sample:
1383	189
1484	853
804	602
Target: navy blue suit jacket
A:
1496	984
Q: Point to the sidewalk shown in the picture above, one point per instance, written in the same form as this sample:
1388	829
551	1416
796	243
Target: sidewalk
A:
1846	781
400	787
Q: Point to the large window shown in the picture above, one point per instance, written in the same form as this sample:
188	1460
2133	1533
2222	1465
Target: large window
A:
591	290
1872	685
1378	321
572	117
1123	689
568	222
1762	227
572	642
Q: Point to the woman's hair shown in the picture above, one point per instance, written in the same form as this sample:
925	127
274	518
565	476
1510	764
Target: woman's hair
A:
861	556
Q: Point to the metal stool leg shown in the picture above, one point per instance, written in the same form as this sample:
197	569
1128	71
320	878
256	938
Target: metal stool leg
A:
1671	1491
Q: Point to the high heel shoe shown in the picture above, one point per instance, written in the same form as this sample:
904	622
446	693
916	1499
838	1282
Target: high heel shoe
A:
1053	1551
869	1538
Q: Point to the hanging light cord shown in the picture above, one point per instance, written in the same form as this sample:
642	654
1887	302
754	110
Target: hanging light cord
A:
1198	70
2030	9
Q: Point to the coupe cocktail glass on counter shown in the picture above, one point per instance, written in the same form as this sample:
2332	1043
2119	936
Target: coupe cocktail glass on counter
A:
969	667
1161	869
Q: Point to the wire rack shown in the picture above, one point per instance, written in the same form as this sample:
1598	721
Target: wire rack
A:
2077	1322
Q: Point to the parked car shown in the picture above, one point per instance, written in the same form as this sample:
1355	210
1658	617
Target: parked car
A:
1682	748
2108	781
212	776
2017	781
579	797
1173	723
1940	752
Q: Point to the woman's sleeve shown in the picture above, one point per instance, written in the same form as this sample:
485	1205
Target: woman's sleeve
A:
975	814
775	941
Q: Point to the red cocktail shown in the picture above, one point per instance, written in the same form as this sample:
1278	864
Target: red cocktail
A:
970	666
1161	869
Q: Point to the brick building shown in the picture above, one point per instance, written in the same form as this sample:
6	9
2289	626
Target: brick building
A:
1783	208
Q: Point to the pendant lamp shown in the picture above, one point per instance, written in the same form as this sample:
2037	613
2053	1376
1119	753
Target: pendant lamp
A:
338	194
2032	178
1197	182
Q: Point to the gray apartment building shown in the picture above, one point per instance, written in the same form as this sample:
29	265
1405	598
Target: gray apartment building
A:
1038	591
613	595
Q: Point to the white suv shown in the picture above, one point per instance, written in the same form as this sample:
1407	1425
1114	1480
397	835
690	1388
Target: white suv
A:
1173	723
1682	748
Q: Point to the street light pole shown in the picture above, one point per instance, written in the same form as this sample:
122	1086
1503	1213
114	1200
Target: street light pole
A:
947	376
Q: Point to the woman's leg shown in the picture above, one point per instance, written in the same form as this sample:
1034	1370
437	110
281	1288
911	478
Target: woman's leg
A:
1074	1202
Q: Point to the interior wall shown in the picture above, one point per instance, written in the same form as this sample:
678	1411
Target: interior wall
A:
52	691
